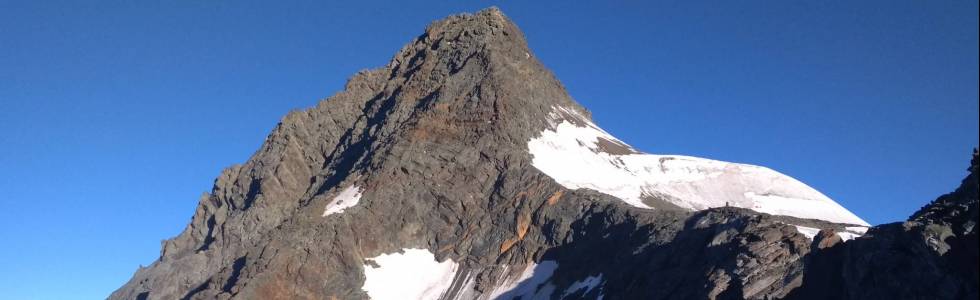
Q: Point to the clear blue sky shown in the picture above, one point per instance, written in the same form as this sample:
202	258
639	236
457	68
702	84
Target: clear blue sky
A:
115	117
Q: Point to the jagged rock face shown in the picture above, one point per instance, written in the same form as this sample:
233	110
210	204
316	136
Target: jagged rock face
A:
435	143
416	182
933	255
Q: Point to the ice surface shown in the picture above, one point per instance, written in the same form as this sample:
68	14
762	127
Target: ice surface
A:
571	153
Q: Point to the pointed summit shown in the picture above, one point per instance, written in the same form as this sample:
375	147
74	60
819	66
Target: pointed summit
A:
428	152
480	57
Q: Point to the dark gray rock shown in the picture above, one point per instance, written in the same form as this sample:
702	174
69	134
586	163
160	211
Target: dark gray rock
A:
933	255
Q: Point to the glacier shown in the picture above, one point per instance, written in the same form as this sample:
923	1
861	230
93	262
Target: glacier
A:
578	154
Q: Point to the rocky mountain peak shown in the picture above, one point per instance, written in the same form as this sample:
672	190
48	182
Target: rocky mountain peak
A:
486	31
428	152
465	54
462	169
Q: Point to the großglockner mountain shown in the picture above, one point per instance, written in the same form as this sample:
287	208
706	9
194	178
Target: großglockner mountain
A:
462	169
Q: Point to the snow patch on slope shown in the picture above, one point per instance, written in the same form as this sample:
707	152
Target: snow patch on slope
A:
574	153
467	290
851	233
848	234
413	274
532	283
861	230
809	232
586	285
344	200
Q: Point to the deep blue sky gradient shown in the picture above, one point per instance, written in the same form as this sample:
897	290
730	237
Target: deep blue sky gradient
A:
116	116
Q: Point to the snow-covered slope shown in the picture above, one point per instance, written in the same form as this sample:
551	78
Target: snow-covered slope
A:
532	283
344	200
411	274
579	154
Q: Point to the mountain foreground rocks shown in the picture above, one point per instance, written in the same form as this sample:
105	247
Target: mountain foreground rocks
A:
433	178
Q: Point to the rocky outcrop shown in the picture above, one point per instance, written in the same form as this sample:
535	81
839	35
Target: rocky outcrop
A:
933	255
429	155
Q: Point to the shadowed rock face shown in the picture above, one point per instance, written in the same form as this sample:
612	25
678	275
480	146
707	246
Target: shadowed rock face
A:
430	152
933	255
